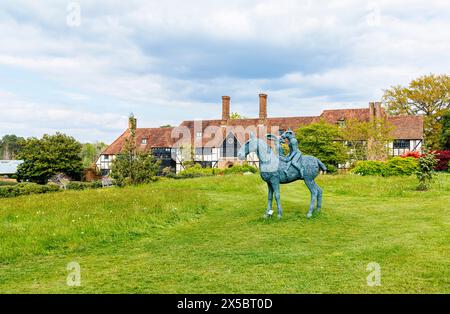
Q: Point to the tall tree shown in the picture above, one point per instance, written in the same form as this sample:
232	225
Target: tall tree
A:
48	156
428	95
9	146
132	166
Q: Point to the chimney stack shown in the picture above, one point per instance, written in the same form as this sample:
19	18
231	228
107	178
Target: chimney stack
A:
371	111
225	108
378	114
262	108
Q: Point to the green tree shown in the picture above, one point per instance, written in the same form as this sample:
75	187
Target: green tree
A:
445	135
90	153
9	146
323	141
236	116
428	95
48	156
132	166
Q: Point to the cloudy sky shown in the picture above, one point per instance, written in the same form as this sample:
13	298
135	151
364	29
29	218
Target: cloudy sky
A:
168	61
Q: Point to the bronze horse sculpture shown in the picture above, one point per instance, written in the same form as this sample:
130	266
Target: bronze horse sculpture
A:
276	169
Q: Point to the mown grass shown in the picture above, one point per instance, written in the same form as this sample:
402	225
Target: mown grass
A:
207	235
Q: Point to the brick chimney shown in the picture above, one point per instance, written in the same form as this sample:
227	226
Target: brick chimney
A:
225	108
371	111
262	108
378	113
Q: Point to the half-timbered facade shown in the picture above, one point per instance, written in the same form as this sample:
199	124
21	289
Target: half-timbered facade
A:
215	143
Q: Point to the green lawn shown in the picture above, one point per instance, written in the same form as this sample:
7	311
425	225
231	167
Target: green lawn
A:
207	235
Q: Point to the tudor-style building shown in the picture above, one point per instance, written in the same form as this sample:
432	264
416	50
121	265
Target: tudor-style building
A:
215	143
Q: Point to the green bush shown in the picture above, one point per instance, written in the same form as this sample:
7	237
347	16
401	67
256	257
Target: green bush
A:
197	171
399	166
369	168
240	169
26	189
396	166
3	183
78	186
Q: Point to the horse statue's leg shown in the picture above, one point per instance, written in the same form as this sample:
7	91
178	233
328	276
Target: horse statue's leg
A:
269	211
276	189
312	186
319	197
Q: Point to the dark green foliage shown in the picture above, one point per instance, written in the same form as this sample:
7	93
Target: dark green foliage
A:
48	156
425	171
4	183
26	189
396	166
445	134
77	185
321	140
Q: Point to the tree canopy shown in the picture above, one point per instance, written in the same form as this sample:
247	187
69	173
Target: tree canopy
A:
48	156
320	140
428	95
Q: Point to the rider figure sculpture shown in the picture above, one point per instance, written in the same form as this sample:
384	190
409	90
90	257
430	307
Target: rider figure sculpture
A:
294	152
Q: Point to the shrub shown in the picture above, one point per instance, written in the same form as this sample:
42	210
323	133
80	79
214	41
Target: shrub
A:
235	169
76	185
26	189
443	159
425	171
369	168
397	166
197	171
3	183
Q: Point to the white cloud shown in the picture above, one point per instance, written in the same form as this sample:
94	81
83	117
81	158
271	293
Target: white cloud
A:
172	60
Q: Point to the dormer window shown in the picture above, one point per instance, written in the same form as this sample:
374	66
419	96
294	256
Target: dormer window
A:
144	141
341	122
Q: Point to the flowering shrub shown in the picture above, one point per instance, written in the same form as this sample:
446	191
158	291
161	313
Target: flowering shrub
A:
411	154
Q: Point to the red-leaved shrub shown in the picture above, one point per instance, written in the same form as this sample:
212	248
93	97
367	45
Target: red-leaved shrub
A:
443	157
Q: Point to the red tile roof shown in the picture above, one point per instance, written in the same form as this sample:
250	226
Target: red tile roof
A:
156	137
406	127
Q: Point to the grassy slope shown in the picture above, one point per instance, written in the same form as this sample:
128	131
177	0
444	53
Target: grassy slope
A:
207	235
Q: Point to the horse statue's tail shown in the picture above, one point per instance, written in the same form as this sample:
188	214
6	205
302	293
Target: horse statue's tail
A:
321	165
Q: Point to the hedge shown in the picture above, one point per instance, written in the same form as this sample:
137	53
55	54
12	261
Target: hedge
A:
197	171
26	189
397	166
76	185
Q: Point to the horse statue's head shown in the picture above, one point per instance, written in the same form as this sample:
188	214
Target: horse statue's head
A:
250	146
288	134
